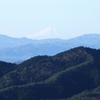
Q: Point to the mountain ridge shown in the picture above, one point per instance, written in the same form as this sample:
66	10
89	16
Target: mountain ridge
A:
23	48
60	76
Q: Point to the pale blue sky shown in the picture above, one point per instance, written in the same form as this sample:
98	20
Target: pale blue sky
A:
71	18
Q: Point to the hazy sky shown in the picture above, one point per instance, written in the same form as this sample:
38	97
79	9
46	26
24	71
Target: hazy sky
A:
70	18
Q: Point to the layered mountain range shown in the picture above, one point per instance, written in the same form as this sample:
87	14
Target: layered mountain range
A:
20	49
68	75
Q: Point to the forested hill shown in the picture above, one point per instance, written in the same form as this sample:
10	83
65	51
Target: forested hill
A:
53	77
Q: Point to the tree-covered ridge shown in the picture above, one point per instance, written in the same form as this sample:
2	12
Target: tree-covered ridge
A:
40	68
6	67
53	77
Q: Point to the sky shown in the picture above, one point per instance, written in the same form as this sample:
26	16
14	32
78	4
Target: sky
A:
70	18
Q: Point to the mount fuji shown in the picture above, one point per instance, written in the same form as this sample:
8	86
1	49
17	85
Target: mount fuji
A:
47	33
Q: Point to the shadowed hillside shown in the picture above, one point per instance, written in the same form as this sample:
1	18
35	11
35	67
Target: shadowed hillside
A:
56	77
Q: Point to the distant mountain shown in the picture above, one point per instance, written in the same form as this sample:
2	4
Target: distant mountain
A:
88	40
69	75
6	41
20	49
46	33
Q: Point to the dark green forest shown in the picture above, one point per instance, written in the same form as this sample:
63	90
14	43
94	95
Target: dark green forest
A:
69	75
